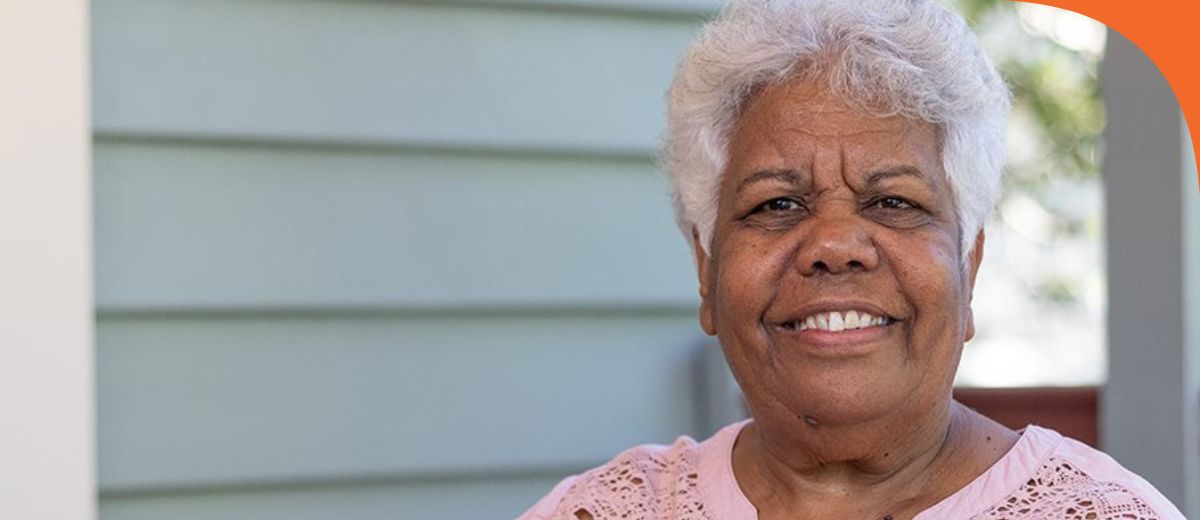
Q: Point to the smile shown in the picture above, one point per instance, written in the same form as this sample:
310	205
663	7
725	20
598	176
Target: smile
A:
838	321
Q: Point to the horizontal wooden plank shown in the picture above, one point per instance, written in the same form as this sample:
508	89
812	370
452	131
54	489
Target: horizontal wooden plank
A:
383	72
201	402
692	8
500	498
218	226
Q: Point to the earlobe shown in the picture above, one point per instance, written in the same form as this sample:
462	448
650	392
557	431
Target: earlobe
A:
973	259
970	332
708	320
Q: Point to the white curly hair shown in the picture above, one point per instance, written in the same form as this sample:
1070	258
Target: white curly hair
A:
913	58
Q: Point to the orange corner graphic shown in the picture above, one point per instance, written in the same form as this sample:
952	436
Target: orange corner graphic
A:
1165	31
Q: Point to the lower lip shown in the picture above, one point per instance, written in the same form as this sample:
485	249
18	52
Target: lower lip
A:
842	341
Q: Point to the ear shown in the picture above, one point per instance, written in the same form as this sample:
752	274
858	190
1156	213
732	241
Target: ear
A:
704	271
975	258
973	261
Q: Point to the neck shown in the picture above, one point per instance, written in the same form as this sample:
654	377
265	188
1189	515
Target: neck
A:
870	466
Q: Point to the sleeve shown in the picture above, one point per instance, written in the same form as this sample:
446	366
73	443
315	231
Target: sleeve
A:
546	506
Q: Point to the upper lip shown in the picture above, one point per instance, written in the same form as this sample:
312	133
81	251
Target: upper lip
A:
813	308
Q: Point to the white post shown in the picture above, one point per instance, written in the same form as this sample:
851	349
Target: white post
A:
47	468
1148	406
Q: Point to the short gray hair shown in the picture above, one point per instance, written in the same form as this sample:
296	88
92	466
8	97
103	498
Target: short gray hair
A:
913	58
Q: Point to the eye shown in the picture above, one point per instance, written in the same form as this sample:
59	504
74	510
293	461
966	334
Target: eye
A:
778	205
777	214
893	203
897	212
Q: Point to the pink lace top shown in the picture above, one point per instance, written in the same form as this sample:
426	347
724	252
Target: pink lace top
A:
1044	476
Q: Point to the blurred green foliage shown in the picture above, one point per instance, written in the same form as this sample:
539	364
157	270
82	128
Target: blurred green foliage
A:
1054	87
1055	140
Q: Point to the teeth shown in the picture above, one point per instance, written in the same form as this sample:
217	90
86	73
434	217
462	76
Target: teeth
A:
838	321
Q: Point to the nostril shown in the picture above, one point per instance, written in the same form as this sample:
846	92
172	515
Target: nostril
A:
821	266
836	249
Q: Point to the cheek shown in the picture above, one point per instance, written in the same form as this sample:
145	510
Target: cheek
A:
932	277
749	276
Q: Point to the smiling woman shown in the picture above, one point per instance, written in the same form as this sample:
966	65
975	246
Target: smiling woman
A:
833	163
864	225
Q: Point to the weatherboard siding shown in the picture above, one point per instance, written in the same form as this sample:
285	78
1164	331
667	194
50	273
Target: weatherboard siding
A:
382	259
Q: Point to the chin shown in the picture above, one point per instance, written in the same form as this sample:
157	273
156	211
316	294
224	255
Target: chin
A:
842	399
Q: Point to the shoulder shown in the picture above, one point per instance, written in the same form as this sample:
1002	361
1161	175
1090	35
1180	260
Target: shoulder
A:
1077	481
644	482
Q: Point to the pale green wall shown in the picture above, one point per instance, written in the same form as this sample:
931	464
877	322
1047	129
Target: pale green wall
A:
364	259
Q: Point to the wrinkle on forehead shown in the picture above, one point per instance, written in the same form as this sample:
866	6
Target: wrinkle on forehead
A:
795	124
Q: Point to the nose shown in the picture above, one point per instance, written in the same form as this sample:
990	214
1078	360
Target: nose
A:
836	245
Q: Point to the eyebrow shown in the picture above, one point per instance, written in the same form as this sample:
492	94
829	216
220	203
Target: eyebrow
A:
794	177
878	176
788	176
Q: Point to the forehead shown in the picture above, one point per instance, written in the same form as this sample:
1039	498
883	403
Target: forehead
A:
791	124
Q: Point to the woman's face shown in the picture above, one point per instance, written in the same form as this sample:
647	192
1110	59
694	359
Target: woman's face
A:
836	283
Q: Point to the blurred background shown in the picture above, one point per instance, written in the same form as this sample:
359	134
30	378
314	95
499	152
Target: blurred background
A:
414	259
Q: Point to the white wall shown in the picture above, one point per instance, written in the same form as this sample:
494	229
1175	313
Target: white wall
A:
46	393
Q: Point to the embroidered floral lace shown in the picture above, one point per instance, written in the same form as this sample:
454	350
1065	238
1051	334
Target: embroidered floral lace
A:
1059	490
648	486
638	488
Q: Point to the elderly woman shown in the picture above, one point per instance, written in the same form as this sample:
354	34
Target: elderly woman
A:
833	163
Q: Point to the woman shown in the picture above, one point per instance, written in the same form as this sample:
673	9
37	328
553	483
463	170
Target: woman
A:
833	163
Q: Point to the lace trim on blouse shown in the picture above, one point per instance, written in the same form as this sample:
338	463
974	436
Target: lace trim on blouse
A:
1060	490
658	486
638	486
